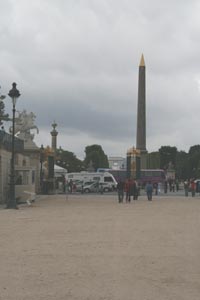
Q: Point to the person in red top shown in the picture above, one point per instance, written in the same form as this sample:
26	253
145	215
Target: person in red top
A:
127	189
193	187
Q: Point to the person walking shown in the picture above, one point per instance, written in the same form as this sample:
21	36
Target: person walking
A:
101	188
128	190
193	187
70	186
66	189
120	189
155	186
165	186
177	185
186	187
149	191
135	190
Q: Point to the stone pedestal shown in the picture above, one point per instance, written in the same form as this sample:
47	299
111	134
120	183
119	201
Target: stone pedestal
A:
133	163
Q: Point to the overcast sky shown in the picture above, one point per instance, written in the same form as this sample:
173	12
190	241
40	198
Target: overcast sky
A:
76	62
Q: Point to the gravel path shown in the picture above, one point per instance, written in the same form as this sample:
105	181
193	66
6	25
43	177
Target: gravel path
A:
92	248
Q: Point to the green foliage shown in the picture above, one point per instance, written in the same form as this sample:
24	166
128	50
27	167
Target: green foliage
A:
3	116
153	160
182	165
186	165
167	157
69	161
194	150
96	157
194	161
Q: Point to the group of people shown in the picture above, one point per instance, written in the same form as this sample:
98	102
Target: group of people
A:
172	184
190	186
130	188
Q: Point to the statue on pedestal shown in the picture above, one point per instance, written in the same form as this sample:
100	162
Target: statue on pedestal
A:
24	123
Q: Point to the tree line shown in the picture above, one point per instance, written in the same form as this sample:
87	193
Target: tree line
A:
186	165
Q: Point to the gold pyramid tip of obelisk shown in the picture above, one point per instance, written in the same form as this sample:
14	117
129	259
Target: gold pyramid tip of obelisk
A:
142	62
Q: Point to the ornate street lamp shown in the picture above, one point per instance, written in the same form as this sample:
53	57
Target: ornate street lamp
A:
14	95
41	170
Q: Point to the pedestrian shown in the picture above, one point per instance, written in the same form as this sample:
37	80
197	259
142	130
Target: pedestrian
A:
97	187
101	188
74	187
63	183
149	190
156	188
193	188
173	186
186	187
128	190
159	187
170	184
66	189
70	186
120	189
135	190
177	185
165	186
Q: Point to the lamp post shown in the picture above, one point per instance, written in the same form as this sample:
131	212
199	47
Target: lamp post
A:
14	95
41	171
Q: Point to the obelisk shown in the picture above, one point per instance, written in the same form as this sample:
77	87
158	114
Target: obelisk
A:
141	115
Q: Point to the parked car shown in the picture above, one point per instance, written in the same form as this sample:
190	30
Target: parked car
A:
97	187
106	187
80	186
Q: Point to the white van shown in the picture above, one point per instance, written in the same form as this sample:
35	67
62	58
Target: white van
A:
92	177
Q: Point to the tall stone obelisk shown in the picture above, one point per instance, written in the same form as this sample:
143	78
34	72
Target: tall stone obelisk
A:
141	115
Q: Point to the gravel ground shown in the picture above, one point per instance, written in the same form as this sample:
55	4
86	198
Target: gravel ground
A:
89	247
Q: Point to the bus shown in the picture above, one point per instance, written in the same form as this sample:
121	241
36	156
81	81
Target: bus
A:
152	175
146	175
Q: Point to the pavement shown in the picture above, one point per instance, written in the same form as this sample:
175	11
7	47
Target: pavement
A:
90	247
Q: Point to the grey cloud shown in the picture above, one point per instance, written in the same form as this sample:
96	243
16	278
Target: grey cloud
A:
77	62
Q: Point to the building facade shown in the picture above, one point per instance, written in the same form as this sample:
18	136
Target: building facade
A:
117	162
26	176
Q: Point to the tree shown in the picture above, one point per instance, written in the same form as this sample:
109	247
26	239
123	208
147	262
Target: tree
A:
153	160
3	116
167	157
68	160
96	156
194	161
182	165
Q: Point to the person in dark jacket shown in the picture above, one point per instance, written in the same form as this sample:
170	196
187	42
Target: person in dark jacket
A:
120	189
149	191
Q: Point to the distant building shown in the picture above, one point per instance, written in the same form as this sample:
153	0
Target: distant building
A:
117	162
